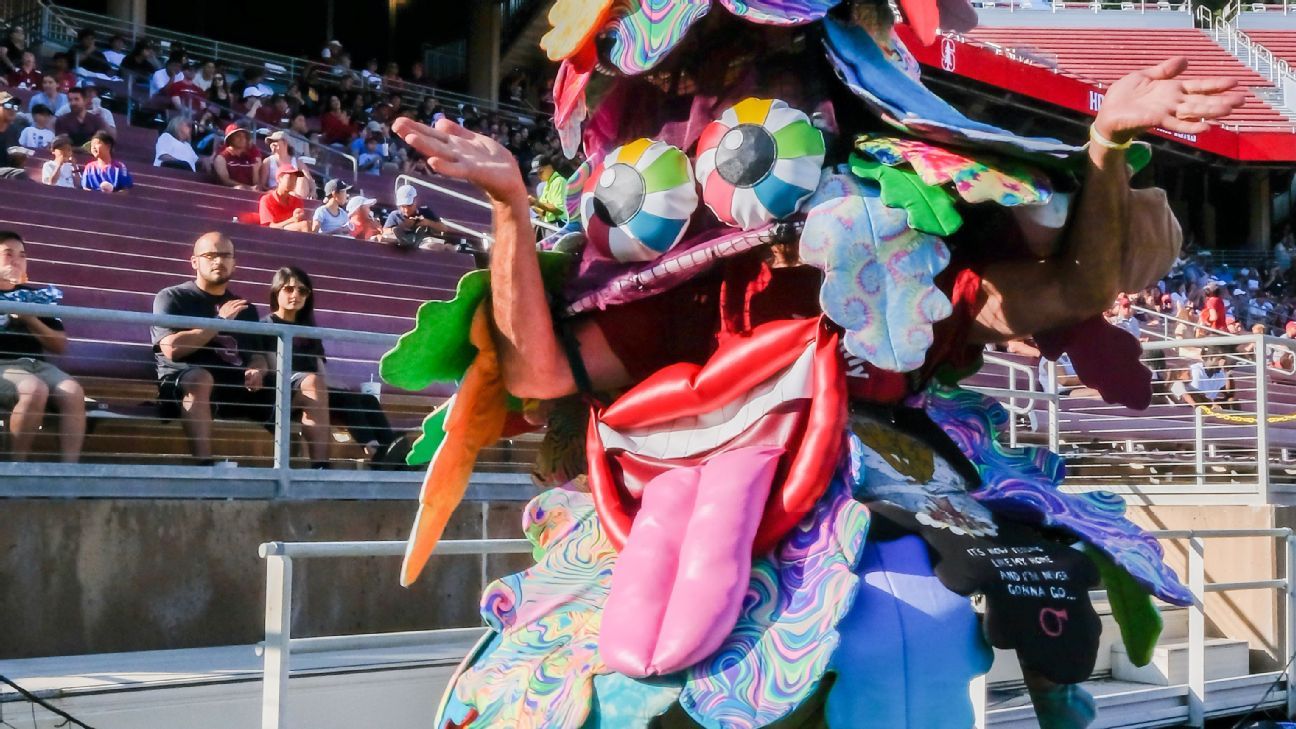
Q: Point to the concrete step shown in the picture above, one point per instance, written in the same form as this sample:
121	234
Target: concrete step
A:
1225	658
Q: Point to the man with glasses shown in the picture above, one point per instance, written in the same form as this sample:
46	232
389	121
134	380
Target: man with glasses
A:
204	372
9	134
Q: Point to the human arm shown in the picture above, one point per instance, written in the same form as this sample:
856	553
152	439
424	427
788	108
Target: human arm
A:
531	358
1110	222
52	339
180	344
221	167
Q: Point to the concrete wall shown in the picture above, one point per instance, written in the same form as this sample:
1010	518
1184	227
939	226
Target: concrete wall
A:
1255	616
88	576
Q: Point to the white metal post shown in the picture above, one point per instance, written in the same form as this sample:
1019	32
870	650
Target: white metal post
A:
1197	632
977	690
1053	402
1262	417
1289	604
1199	449
278	633
283	411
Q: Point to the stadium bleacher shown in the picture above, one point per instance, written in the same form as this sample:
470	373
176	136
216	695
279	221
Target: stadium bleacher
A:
1105	54
1281	42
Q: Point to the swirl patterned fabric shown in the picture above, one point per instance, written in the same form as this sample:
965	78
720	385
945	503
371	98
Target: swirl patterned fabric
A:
976	180
644	31
1022	484
786	634
780	12
878	273
542	672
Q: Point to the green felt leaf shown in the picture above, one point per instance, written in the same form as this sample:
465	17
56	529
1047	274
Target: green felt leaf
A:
437	349
428	442
930	208
1131	605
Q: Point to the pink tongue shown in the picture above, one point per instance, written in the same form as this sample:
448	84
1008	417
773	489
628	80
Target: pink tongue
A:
678	584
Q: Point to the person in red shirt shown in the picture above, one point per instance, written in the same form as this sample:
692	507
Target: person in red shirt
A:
363	224
335	124
238	163
280	208
186	96
1213	312
26	76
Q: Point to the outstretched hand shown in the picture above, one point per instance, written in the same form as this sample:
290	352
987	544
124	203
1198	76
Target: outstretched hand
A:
456	152
1157	97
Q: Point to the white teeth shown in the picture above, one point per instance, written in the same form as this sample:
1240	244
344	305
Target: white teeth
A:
694	434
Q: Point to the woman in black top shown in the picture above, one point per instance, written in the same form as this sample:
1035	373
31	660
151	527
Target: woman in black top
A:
292	302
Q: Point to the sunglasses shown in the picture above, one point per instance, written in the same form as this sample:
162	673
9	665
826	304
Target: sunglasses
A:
290	288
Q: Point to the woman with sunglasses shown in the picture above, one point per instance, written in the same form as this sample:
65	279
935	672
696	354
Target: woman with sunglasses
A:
292	302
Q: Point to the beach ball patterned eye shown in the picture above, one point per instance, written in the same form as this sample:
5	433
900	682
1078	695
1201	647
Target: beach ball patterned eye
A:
638	201
758	162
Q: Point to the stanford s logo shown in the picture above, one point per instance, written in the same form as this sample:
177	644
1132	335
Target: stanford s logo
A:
947	54
1052	621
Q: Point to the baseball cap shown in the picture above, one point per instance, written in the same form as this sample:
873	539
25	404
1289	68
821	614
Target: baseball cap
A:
406	195
9	101
374	126
358	202
19	151
276	136
1290	325
251	91
233	129
333	186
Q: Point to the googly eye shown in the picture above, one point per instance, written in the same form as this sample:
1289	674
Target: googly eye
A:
758	162
637	202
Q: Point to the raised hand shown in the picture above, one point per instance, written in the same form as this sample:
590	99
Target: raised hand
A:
1156	97
456	152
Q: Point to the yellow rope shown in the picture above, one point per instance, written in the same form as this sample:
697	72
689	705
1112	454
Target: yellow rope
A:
1244	419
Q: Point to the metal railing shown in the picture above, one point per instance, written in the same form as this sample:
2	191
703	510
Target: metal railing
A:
279	645
129	464
318	150
1223	30
456	194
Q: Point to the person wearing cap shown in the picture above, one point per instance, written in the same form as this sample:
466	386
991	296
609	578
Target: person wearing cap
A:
1213	310
26	76
41	132
280	208
104	173
80	124
551	204
363	225
238	164
408	226
331	218
9	134
62	171
282	157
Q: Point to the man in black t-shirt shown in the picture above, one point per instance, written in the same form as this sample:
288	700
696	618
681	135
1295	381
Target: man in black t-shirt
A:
409	225
207	372
9	133
27	382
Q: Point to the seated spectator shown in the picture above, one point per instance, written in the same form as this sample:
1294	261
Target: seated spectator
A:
186	97
417	74
49	95
9	134
79	123
161	80
62	171
26	76
253	77
1067	380
273	111
409	226
238	164
1207	381
142	62
335	124
87	59
203	373
252	102
298	136
280	208
62	72
115	53
370	158
41	132
1124	318
291	302
297	102
19	155
1213	310
104	173
27	382
331	217
282	157
219	92
14	46
95	106
363	224
550	204
370	76
205	76
174	148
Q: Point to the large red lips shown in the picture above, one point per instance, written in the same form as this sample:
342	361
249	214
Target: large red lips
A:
809	428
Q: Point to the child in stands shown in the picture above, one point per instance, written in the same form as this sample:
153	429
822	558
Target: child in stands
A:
62	171
104	173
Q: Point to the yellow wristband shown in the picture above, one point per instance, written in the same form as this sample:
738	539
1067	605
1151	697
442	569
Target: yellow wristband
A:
1106	143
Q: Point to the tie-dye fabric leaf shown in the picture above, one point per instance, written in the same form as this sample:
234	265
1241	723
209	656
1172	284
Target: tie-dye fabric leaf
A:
780	12
548	617
930	208
878	273
977	179
786	635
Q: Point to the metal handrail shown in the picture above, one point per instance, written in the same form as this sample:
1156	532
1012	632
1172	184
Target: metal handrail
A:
314	145
279	645
410	179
